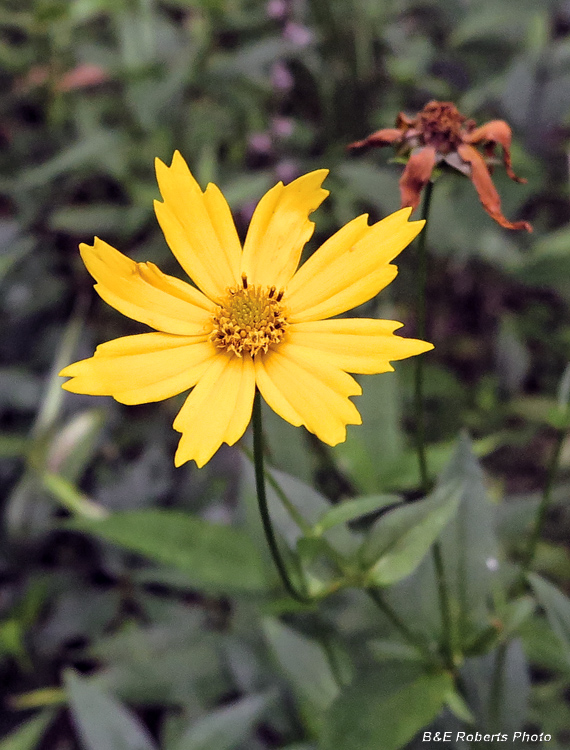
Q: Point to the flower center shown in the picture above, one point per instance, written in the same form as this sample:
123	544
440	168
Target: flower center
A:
440	124
250	320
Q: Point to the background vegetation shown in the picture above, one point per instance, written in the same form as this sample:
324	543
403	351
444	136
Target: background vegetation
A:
168	628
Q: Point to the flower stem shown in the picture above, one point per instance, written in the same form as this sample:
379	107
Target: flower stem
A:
543	507
421	280
263	507
421	283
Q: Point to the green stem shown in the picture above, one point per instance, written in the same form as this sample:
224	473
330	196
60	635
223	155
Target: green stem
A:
543	507
421	283
421	280
445	608
305	527
400	625
263	507
496	696
295	515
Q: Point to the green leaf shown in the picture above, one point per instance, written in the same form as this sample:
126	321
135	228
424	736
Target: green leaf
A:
214	557
28	735
511	712
459	707
372	448
305	663
12	638
349	510
382	712
516	613
66	493
318	571
224	728
87	220
400	539
469	545
557	607
385	650
73	446
308	503
99	147
101	720
495	21
542	646
162	663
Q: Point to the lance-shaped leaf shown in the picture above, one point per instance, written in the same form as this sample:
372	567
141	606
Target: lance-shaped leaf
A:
215	558
224	728
557	607
101	720
27	736
400	539
502	706
305	662
469	545
383	711
350	510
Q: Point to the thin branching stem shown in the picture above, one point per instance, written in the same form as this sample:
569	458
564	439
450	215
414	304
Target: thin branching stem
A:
421	284
375	595
400	625
544	503
541	513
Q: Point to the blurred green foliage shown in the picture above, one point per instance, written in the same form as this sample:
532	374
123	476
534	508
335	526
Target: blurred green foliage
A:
138	604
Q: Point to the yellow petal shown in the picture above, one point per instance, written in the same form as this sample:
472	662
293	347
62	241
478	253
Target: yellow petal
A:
315	398
360	291
198	228
280	228
144	293
360	345
142	368
272	394
330	374
218	410
349	268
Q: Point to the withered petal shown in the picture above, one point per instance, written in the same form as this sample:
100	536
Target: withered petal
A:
416	175
487	192
496	131
403	121
380	138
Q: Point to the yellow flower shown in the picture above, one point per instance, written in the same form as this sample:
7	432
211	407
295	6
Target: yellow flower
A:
254	320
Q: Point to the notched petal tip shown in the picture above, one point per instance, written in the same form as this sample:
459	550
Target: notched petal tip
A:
323	170
406	214
180	460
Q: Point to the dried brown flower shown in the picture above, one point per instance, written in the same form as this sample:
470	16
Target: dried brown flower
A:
440	133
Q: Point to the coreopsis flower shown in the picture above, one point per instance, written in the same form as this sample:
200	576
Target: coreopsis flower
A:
252	320
441	134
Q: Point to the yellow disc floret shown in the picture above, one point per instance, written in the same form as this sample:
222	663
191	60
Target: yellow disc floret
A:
250	320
